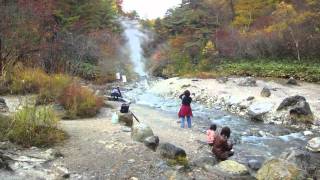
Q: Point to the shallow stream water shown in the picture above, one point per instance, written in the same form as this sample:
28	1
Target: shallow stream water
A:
253	140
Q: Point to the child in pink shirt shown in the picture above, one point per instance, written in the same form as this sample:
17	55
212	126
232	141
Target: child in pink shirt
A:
211	134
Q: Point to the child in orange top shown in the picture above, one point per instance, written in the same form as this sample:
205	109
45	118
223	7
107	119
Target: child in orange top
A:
211	134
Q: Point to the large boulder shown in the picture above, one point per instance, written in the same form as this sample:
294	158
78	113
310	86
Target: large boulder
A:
265	92
126	119
258	109
303	159
247	81
171	151
140	132
152	142
232	167
299	157
299	109
3	106
276	169
314	145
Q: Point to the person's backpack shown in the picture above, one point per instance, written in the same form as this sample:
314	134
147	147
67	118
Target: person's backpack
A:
124	108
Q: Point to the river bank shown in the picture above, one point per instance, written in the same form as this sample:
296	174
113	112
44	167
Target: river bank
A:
97	148
238	96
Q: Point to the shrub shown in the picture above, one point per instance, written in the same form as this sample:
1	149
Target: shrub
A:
5	122
51	90
205	65
104	79
87	71
79	101
27	80
35	126
271	68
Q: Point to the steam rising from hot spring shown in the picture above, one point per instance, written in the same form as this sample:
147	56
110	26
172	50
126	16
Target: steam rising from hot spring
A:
135	37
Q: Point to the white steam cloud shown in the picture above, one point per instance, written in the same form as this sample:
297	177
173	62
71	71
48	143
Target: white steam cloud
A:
135	38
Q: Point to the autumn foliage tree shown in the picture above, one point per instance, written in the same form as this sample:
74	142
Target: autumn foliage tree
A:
238	29
58	35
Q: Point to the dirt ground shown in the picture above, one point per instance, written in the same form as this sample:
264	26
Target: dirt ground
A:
98	149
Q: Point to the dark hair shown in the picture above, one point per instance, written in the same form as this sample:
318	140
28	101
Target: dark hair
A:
225	131
213	127
187	93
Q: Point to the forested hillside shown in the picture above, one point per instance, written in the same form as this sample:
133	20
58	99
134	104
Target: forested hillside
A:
243	37
47	48
60	35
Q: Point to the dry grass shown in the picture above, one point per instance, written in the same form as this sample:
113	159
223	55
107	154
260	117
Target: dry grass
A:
27	80
80	101
33	126
51	90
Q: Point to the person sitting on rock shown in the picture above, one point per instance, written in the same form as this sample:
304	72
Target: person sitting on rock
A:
185	110
211	134
116	93
221	148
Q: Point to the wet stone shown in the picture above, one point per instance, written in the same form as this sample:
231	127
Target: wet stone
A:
314	144
292	81
265	92
248	81
254	164
304	160
299	109
257	110
307	133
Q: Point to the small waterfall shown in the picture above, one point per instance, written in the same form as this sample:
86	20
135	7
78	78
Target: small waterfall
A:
135	37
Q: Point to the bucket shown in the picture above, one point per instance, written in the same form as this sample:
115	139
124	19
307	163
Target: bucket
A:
115	118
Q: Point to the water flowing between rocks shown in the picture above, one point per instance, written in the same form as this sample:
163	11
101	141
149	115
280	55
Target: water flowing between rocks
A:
252	139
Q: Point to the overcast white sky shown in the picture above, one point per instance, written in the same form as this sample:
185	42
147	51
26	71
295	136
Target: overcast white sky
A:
150	9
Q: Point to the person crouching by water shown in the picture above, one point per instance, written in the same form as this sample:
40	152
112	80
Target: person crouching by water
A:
116	93
222	149
185	110
211	134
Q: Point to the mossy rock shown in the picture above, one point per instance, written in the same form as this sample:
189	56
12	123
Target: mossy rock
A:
180	160
232	167
276	169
